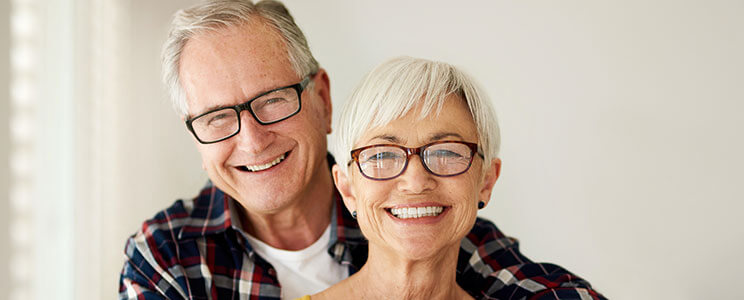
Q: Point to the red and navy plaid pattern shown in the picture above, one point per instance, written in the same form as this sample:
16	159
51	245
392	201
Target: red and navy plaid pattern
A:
192	251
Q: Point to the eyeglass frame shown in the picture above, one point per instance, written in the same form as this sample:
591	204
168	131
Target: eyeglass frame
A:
298	87
410	152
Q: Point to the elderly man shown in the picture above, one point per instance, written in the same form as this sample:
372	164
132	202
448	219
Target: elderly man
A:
270	223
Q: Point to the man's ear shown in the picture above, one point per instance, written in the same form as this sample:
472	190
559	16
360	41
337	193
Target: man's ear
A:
489	180
323	90
343	184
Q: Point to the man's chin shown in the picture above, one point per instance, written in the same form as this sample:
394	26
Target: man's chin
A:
260	200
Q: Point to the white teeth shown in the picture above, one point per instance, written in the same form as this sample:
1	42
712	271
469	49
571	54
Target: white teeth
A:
416	212
265	166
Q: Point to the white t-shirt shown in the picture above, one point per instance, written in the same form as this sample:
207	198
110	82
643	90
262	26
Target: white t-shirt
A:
303	272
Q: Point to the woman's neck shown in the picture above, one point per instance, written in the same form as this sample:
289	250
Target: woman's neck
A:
386	275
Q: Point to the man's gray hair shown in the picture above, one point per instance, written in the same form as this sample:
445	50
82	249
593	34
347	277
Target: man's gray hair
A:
396	86
216	14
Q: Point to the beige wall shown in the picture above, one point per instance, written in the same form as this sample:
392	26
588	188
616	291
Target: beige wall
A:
149	158
4	144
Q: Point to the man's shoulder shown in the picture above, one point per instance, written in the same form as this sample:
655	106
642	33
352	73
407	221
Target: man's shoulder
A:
164	245
162	229
179	219
487	236
170	219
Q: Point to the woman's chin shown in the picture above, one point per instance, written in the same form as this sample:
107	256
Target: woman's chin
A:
419	249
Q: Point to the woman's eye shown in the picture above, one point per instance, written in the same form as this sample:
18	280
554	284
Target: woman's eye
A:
445	154
383	156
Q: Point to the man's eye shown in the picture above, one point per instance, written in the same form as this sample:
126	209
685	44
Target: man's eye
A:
218	119
266	103
275	100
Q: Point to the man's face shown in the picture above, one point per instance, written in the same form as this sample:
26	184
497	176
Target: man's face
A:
230	66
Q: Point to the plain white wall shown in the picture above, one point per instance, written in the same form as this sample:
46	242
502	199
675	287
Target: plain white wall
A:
620	120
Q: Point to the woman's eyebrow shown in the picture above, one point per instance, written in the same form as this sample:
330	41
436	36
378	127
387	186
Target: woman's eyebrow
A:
386	137
442	135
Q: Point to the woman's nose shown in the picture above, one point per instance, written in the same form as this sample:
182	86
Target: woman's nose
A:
415	178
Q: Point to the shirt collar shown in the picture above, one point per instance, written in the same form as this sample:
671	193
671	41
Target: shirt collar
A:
347	244
212	214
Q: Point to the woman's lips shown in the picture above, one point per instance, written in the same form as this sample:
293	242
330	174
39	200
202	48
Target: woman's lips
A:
416	212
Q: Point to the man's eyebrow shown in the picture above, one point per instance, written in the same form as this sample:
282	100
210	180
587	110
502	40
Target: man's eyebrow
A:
214	107
442	135
217	106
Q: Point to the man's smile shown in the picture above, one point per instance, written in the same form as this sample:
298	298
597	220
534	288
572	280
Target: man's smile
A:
262	167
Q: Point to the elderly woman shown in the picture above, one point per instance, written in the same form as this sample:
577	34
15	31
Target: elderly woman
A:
417	151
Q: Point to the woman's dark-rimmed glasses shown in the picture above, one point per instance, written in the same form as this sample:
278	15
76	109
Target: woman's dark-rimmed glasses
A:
441	158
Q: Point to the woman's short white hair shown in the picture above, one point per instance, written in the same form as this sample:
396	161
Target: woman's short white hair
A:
217	14
398	85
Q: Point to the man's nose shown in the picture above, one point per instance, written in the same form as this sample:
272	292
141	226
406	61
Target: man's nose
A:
253	137
415	178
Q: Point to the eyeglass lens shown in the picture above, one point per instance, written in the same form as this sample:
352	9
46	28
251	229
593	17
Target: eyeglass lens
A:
268	108
443	159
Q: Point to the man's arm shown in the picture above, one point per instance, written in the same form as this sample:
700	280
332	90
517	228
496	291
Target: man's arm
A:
490	266
152	269
538	281
134	286
141	277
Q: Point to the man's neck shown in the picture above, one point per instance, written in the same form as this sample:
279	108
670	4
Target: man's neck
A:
300	224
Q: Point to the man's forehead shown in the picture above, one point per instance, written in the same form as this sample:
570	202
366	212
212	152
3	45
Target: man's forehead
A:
229	65
253	34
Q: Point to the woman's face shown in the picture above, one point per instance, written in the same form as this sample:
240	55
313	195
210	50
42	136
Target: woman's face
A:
380	204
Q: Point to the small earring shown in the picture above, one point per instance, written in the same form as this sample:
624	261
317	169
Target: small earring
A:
353	214
481	204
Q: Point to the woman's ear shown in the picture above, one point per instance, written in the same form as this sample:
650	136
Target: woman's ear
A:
489	179
343	184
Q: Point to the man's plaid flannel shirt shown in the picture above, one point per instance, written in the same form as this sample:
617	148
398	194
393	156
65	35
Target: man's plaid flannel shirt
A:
191	250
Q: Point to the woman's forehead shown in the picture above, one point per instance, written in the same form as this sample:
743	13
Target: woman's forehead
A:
452	122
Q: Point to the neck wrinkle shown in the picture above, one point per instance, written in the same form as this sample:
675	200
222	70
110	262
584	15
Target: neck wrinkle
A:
389	276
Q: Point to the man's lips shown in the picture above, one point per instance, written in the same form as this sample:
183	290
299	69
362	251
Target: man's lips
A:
262	167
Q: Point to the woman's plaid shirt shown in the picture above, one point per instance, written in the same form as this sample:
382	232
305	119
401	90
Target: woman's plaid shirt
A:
192	251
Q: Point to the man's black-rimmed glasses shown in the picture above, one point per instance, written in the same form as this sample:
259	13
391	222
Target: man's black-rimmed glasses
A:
268	108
